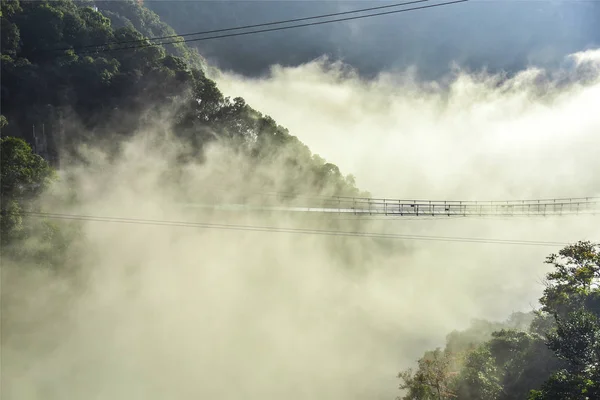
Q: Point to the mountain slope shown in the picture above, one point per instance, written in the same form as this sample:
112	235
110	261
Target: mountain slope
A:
59	89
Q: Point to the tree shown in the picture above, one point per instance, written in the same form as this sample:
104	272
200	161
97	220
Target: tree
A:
41	26
24	176
575	283
557	358
480	376
9	37
48	74
523	362
571	298
432	380
576	341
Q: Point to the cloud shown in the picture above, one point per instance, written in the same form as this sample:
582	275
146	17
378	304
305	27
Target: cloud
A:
472	136
159	311
474	34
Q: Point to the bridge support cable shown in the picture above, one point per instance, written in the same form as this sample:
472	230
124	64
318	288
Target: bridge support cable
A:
422	208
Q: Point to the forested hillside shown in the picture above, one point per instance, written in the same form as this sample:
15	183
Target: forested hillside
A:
552	354
68	78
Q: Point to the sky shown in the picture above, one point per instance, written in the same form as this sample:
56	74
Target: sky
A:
399	81
498	35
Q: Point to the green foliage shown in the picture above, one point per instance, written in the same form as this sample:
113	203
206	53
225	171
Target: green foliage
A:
479	377
564	385
10	7
48	73
523	361
129	13
53	71
575	282
30	240
558	357
572	298
577	339
9	37
24	175
432	380
493	360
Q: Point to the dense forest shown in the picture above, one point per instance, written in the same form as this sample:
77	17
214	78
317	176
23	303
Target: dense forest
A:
82	73
549	354
78	72
68	80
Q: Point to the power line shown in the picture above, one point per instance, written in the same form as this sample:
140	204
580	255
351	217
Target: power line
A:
253	25
276	29
253	228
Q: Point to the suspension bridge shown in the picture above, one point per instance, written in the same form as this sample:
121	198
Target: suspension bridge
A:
397	208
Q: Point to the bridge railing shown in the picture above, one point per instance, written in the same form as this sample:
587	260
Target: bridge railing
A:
464	208
399	207
391	207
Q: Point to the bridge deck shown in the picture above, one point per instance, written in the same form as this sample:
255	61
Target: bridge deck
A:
399	208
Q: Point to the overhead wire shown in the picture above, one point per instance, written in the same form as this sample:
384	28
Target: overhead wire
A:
254	228
145	45
252	25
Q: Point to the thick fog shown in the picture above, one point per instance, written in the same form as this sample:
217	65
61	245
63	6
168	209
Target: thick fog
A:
469	136
498	35
152	311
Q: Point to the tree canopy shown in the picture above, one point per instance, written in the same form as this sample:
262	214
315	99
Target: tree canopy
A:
24	176
556	357
62	61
